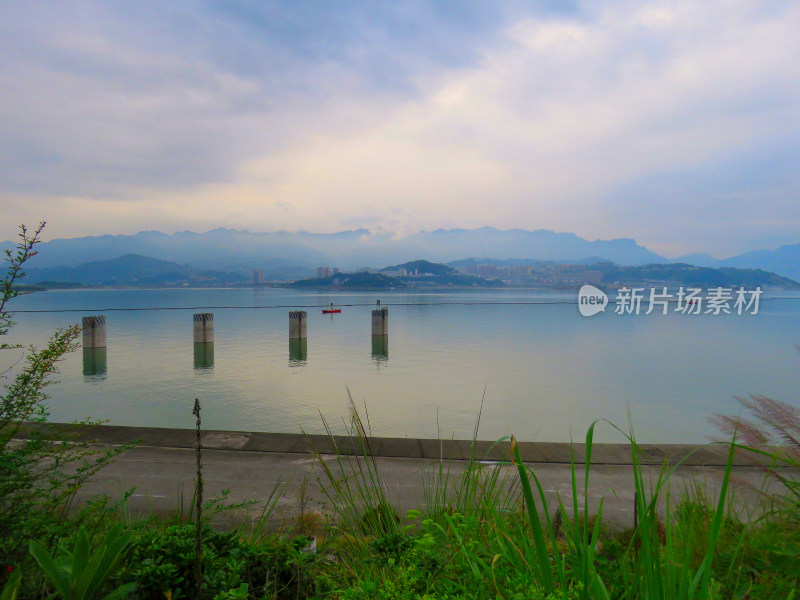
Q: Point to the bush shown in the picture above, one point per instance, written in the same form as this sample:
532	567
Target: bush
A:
38	477
161	565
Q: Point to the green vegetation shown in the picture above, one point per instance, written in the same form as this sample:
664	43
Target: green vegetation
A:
487	530
38	478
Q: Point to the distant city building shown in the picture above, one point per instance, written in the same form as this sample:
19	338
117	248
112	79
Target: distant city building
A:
488	271
519	272
472	269
258	276
365	270
592	276
323	271
335	270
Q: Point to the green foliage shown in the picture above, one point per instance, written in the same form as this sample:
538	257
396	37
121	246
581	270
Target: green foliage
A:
38	477
354	485
162	563
12	586
80	574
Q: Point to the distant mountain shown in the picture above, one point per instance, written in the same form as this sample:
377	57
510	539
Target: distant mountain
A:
295	255
242	251
132	269
784	261
465	263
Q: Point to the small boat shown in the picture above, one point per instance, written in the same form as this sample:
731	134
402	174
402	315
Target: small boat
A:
331	311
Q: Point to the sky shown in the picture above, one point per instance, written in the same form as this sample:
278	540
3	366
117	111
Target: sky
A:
674	123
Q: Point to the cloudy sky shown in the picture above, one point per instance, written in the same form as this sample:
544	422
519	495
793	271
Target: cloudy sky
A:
675	123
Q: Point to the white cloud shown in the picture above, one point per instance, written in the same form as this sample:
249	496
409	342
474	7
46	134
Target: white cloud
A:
570	122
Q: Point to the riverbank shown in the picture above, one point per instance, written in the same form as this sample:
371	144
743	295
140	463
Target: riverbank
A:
250	465
387	523
710	455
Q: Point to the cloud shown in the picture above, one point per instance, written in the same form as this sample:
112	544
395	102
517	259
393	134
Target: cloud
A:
648	120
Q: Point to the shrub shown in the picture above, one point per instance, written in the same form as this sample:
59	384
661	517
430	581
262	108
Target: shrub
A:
38	477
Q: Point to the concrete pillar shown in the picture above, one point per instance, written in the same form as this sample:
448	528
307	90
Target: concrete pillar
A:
203	328
380	321
94	331
298	325
298	351
203	355
94	362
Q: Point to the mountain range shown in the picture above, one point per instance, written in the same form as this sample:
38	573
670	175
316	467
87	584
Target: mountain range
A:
287	255
131	269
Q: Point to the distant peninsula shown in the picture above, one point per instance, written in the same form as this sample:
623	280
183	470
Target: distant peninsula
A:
470	273
414	274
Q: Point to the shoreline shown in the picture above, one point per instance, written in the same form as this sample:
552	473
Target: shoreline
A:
559	453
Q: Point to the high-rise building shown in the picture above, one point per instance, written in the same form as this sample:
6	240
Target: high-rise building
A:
323	271
490	271
258	276
519	272
592	276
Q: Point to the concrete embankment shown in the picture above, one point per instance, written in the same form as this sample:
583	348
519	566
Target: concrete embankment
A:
535	452
250	465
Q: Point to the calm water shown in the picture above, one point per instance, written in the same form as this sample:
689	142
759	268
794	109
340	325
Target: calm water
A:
547	372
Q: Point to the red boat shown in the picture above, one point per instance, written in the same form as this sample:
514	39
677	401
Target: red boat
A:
330	311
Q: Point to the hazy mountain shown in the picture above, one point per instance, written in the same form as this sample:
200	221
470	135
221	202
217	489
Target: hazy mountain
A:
243	251
131	269
465	263
294	255
783	261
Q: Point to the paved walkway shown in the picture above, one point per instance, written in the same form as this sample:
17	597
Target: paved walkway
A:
161	468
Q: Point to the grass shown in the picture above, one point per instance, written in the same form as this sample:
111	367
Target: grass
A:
486	529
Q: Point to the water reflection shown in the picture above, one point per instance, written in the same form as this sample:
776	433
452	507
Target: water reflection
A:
380	349
94	363
204	356
298	351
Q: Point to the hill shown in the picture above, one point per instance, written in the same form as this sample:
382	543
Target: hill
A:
420	267
132	269
784	261
691	275
349	281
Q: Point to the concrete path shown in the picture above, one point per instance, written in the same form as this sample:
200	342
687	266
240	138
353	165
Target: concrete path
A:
161	468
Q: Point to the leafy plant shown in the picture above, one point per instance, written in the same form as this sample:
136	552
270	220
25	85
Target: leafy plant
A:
38	477
355	487
12	586
80	574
